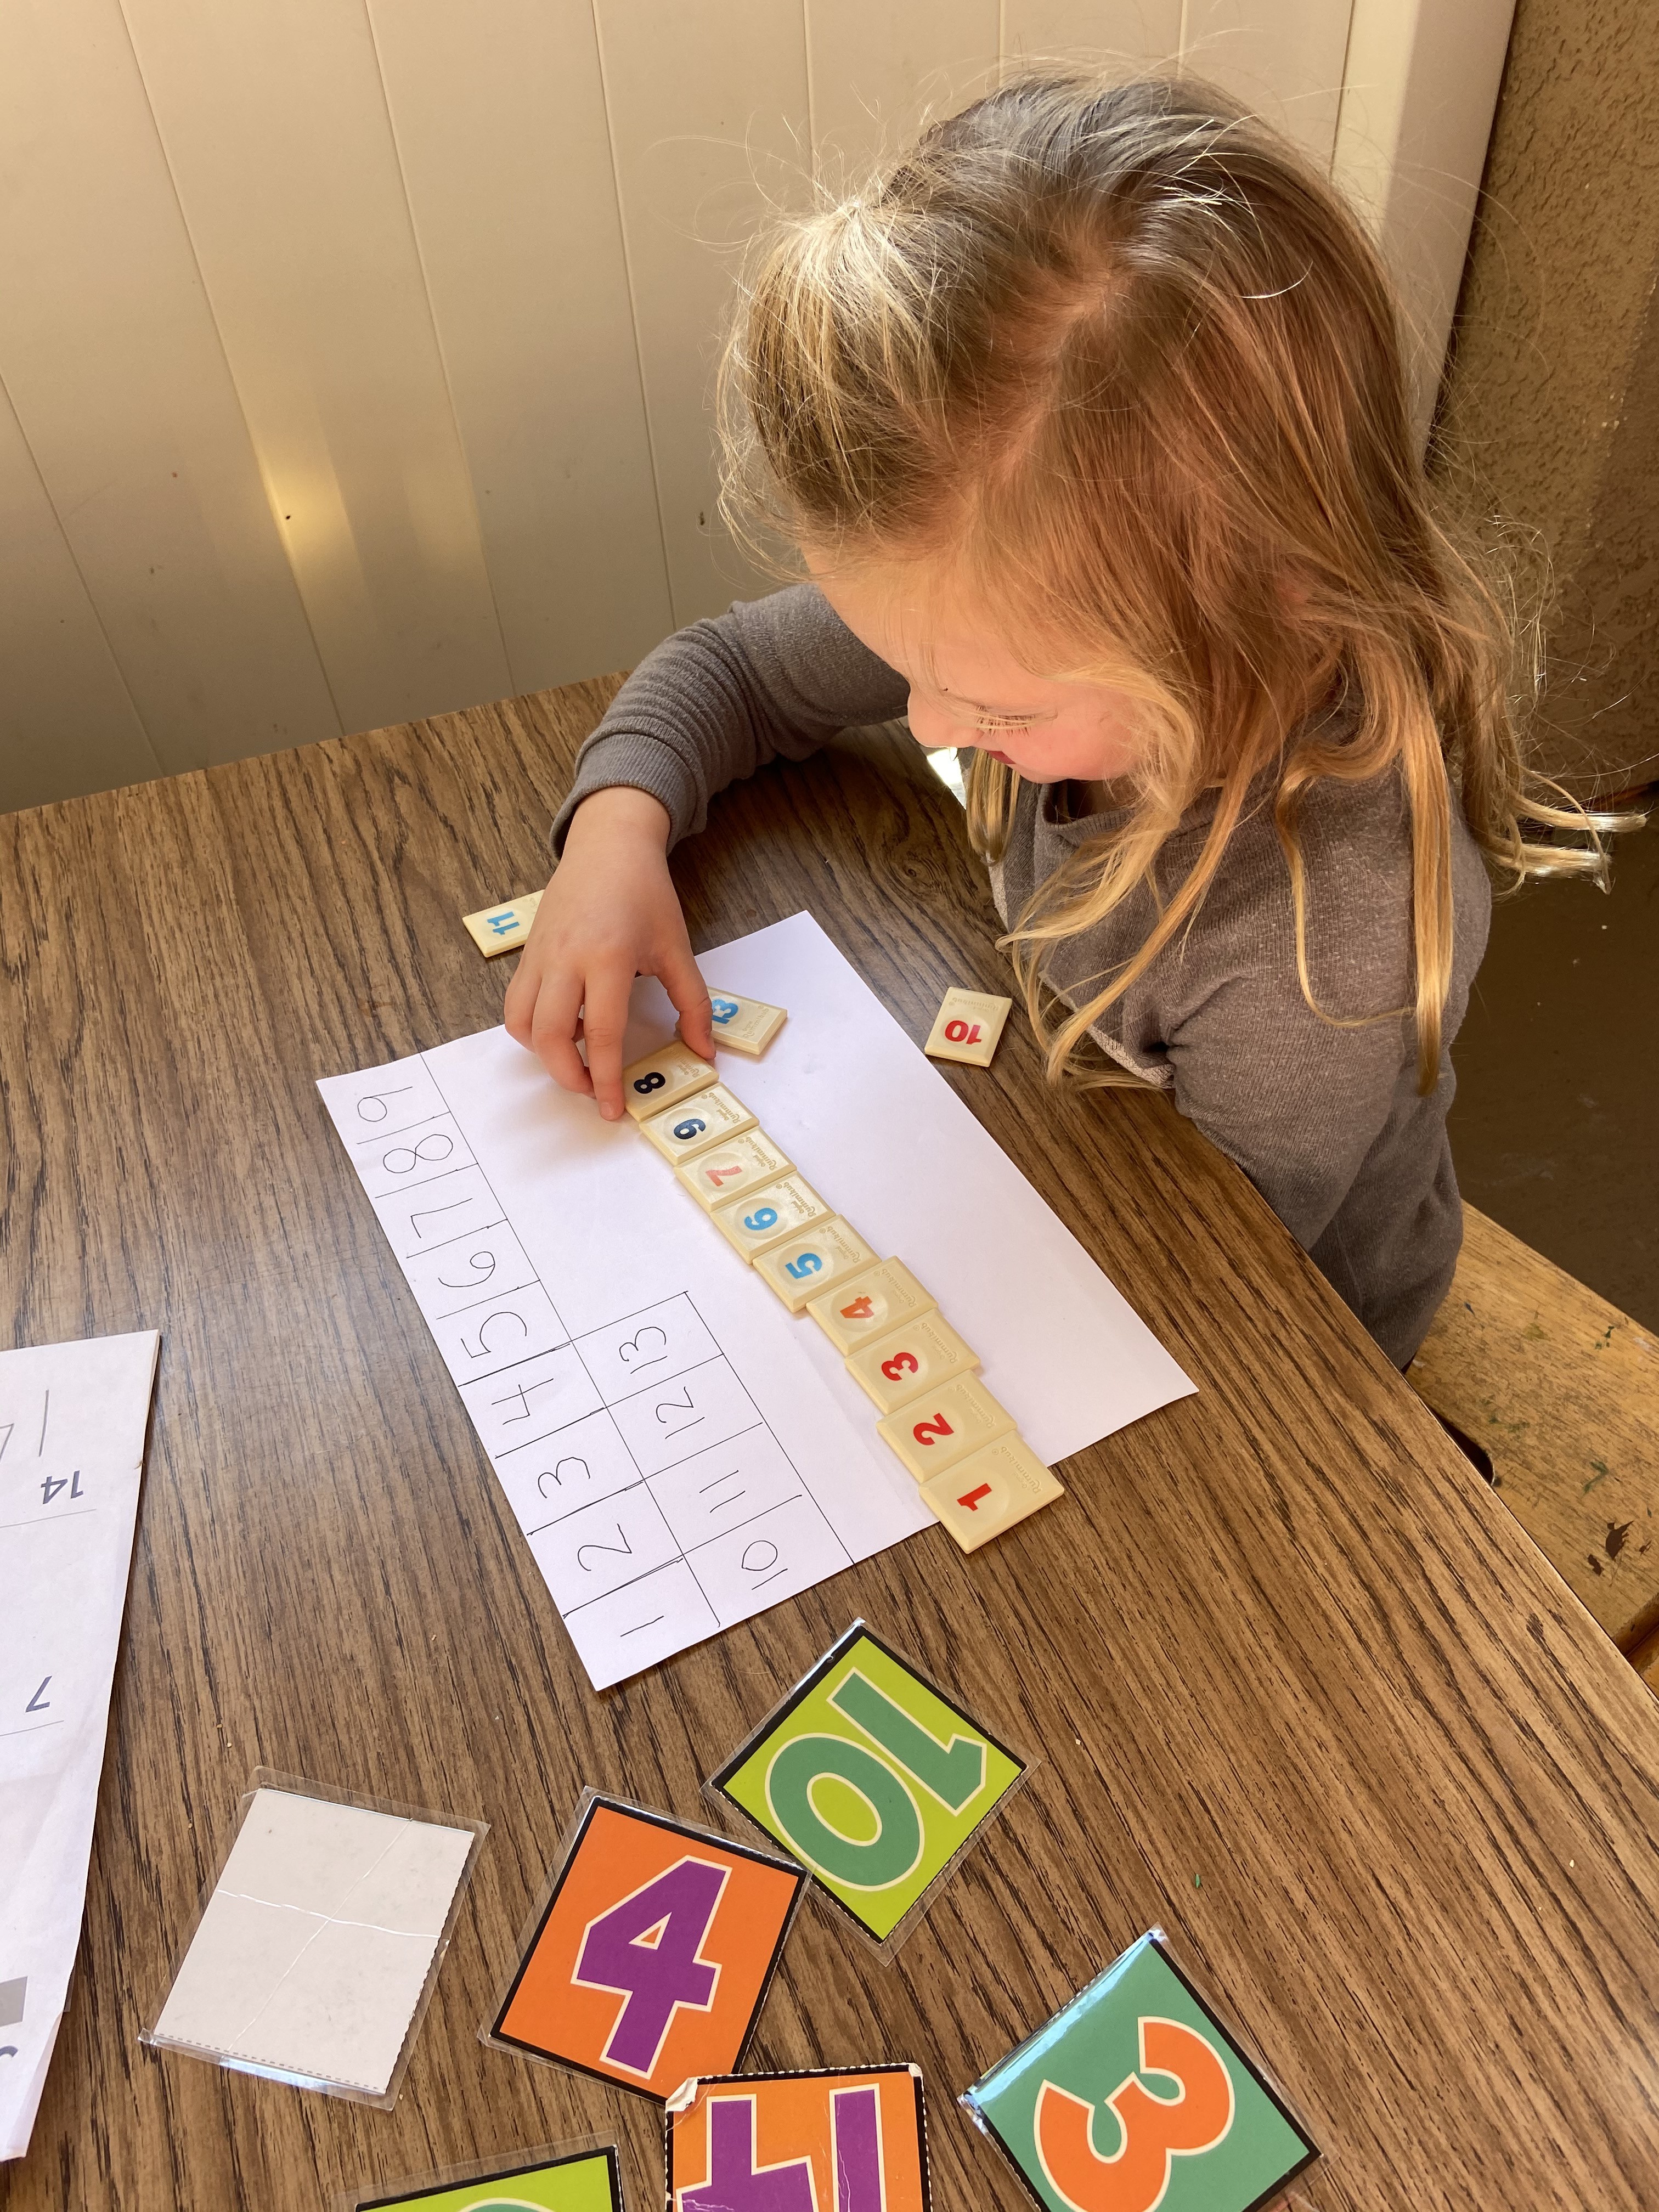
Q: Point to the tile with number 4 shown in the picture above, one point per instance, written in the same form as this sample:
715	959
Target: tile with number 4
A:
968	1027
872	1778
581	2181
1135	2095
866	1306
849	2141
744	1025
935	1431
652	1955
503	928
908	1361
662	1078
991	1491
800	1266
711	1117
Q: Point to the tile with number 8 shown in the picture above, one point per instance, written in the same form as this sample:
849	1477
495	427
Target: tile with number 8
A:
663	1079
915	1357
721	1176
868	1305
744	1025
797	1269
935	1431
708	1118
769	1214
991	1491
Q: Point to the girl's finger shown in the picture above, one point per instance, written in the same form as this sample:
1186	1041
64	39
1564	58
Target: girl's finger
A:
552	1034
605	1017
679	977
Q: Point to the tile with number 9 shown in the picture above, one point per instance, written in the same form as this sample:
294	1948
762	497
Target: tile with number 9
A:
652	1955
710	1117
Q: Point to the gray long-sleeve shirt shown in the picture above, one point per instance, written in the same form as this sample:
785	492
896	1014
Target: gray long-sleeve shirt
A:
1326	1121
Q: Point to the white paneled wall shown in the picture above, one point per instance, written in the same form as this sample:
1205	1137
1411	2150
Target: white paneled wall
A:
356	356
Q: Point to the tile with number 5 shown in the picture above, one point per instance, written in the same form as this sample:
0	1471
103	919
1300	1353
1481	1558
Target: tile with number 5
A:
850	2142
872	1778
1135	2095
651	1956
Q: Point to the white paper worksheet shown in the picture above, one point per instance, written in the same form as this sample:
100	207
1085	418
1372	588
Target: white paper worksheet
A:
679	1451
72	1419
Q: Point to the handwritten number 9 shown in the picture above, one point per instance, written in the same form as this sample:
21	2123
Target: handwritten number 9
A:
808	1264
902	1363
764	1217
655	1081
482	1262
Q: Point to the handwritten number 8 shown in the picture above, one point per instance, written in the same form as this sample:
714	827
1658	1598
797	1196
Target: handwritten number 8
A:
902	1363
764	1217
655	1081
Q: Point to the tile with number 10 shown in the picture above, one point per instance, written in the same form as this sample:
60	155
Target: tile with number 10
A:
652	1955
872	1777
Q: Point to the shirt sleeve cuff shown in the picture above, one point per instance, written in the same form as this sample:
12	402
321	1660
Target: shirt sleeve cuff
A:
640	763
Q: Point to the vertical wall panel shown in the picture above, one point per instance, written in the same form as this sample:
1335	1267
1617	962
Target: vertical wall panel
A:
274	121
66	723
1284	57
877	69
114	367
1127	33
499	114
709	120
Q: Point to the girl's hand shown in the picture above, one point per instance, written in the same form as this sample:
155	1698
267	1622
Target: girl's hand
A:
608	914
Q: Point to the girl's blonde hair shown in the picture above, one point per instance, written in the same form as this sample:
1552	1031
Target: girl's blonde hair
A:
1123	361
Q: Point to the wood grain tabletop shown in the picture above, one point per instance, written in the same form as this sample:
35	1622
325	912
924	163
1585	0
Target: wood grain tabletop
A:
1305	1694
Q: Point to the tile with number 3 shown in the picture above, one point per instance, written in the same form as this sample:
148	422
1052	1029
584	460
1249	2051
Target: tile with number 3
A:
652	1955
1135	2095
852	2141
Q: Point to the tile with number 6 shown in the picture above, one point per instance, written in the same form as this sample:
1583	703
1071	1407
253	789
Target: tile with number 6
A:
651	1955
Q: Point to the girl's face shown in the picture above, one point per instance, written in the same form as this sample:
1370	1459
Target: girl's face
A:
967	688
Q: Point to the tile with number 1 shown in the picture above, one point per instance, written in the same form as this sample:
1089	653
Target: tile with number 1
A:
652	1953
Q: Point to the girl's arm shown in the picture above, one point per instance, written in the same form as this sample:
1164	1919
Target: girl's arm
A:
714	702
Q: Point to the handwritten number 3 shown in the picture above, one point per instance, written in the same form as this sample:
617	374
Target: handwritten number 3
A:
1153	2130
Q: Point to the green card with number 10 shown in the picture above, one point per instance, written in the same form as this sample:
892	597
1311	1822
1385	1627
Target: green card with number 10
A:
872	1778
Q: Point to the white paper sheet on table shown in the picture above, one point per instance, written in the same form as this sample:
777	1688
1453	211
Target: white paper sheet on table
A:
555	1258
316	1944
72	1421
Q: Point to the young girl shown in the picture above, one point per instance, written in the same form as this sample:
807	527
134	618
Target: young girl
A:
1090	424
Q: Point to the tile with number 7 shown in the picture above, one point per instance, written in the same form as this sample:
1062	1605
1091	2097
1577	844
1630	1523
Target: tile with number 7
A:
650	1957
874	1778
848	2142
1135	2095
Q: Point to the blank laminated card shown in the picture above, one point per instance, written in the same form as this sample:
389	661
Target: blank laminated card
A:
315	1952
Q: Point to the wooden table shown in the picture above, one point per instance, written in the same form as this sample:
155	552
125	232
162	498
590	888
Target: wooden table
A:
1305	1693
